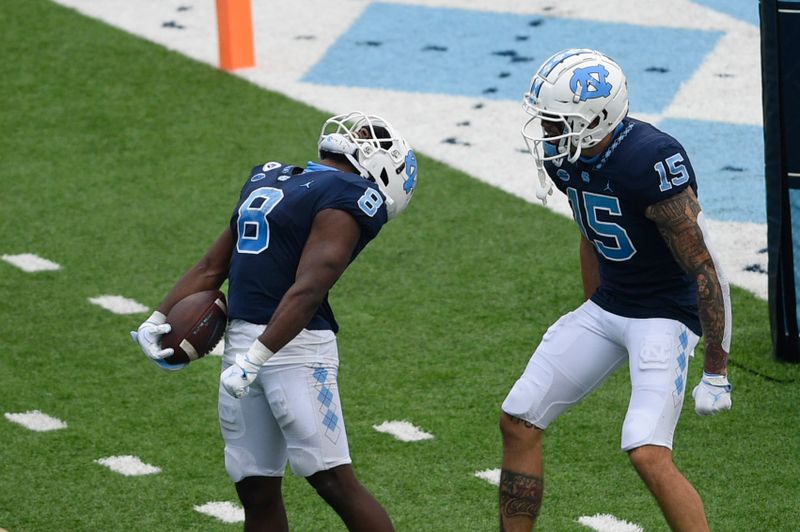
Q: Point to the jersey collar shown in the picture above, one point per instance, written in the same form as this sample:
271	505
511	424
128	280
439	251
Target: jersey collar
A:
591	160
317	167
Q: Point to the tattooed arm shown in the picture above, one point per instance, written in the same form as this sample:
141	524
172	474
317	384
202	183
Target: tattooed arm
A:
680	222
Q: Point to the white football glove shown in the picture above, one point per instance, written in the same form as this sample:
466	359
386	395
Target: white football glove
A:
544	187
237	378
712	395
148	336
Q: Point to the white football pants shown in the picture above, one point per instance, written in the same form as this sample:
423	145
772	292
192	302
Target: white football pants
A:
292	411
584	347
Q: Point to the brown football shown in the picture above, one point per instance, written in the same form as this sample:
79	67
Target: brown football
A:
198	322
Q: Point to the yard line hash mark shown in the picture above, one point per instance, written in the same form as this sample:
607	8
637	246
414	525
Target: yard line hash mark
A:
28	262
225	511
36	421
492	476
403	431
128	465
118	304
608	523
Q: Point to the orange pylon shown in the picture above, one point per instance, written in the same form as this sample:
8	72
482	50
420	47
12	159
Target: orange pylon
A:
235	29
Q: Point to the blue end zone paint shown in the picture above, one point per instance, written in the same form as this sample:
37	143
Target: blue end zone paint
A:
728	161
744	10
493	55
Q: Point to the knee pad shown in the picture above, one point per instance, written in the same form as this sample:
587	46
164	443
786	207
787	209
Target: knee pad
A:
526	398
305	461
239	463
645	423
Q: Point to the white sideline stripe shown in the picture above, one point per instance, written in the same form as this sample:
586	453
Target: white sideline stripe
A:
119	304
492	476
219	349
128	465
36	420
403	431
227	512
28	262
608	523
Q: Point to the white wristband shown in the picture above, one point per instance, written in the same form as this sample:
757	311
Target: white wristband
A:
259	354
715	379
158	318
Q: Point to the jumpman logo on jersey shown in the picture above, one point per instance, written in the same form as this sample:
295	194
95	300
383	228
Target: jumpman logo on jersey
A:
608	187
590	82
307	185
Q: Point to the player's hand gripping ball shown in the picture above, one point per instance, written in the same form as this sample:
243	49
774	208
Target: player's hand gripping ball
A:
194	326
197	324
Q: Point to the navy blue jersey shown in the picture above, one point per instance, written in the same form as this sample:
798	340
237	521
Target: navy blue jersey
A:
271	224
608	195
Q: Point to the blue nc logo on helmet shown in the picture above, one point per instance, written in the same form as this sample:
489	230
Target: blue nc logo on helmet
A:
411	171
590	82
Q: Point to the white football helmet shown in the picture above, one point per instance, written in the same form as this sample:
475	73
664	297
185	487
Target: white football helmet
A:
573	89
377	152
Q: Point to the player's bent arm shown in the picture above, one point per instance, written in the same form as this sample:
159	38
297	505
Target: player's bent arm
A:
590	268
680	222
208	274
328	250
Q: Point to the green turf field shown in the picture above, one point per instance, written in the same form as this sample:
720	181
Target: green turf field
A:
122	161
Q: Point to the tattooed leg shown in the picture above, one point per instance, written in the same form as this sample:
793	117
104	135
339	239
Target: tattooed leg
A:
522	474
520	496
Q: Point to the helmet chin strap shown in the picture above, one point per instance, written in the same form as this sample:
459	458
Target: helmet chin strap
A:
572	157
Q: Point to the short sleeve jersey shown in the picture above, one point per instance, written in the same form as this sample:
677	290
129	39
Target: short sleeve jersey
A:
608	195
271	224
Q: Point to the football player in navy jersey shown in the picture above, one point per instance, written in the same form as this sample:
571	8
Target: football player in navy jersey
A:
652	285
291	236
